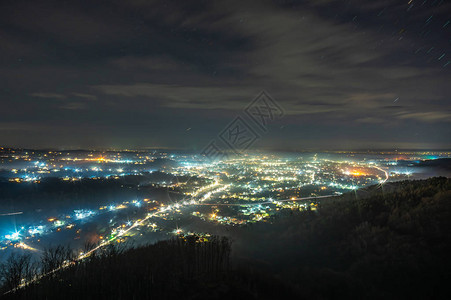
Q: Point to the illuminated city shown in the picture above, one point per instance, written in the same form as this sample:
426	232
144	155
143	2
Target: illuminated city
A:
233	192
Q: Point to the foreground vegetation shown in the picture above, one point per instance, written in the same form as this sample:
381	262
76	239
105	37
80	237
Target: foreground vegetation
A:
388	242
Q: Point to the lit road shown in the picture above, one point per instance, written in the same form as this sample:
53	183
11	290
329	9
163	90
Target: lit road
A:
385	172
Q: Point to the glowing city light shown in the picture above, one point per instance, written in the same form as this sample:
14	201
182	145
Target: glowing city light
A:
13	236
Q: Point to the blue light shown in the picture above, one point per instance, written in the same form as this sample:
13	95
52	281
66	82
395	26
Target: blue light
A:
36	230
82	214
13	236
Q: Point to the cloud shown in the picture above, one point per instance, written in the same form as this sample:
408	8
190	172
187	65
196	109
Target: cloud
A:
431	116
179	96
327	63
48	95
371	120
85	96
330	63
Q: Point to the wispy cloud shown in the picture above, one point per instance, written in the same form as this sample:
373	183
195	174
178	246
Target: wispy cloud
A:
48	95
431	116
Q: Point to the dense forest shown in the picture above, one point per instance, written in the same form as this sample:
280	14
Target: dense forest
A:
389	242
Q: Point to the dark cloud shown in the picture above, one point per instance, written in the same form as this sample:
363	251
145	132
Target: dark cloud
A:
138	73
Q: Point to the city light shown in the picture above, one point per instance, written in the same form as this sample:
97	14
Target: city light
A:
13	236
83	214
254	189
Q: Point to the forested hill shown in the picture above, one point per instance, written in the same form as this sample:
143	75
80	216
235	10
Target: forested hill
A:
391	241
385	242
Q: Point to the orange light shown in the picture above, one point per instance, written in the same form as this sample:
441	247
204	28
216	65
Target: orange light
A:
356	173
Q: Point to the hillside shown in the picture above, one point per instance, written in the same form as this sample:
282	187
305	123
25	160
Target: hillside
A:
382	242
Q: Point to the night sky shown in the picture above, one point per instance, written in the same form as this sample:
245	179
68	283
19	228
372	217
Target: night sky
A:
360	74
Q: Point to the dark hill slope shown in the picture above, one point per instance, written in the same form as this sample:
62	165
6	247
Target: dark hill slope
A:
383	242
